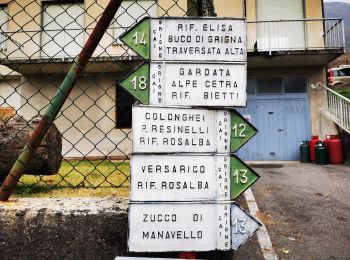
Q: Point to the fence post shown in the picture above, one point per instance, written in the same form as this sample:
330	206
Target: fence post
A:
57	102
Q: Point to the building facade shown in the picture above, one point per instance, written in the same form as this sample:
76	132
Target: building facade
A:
289	44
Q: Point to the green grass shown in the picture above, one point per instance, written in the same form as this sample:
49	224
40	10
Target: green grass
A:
344	92
79	179
347	162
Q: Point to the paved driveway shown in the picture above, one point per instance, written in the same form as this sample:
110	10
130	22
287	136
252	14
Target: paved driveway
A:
306	210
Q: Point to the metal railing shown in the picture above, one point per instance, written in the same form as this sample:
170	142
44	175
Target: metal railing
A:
58	44
336	108
304	34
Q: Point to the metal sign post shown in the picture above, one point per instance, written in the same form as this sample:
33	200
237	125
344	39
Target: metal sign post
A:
184	176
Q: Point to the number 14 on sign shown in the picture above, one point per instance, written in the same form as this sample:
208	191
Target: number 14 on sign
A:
139	40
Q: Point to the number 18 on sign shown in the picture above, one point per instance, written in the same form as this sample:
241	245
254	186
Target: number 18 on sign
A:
188	84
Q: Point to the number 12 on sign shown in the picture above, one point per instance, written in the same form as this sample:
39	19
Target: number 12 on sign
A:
183	130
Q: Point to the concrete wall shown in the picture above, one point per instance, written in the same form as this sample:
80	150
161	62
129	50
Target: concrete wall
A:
87	120
9	88
229	8
321	126
63	229
314	29
9	97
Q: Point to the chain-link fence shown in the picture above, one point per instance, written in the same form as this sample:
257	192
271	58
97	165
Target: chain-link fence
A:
90	144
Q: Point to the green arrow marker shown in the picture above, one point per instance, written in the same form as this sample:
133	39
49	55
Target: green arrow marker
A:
242	177
138	38
241	131
137	83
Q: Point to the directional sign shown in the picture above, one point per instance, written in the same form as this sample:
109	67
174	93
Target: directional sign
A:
188	84
177	130
188	227
183	39
189	177
243	226
138	38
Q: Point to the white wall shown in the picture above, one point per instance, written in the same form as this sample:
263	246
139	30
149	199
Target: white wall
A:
87	120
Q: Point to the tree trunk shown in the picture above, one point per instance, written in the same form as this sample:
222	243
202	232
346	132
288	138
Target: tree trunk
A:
14	135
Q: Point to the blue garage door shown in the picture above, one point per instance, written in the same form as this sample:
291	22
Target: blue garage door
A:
283	121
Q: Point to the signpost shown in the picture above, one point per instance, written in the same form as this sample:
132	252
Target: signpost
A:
187	130
188	39
193	226
184	176
189	177
188	84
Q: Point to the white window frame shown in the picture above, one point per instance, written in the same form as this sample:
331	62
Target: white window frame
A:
283	35
55	3
4	28
151	10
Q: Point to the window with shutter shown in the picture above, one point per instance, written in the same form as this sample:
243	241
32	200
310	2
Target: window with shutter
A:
63	31
280	34
3	27
130	13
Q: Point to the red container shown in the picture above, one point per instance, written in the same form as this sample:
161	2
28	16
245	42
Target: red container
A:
313	141
326	141
335	150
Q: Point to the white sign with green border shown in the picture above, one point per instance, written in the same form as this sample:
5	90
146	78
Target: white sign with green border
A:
188	38
188	84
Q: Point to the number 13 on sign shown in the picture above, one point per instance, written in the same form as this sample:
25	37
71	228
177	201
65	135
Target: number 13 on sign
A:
242	177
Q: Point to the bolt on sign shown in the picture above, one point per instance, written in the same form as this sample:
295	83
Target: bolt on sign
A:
184	39
187	130
193	226
183	173
189	177
188	84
